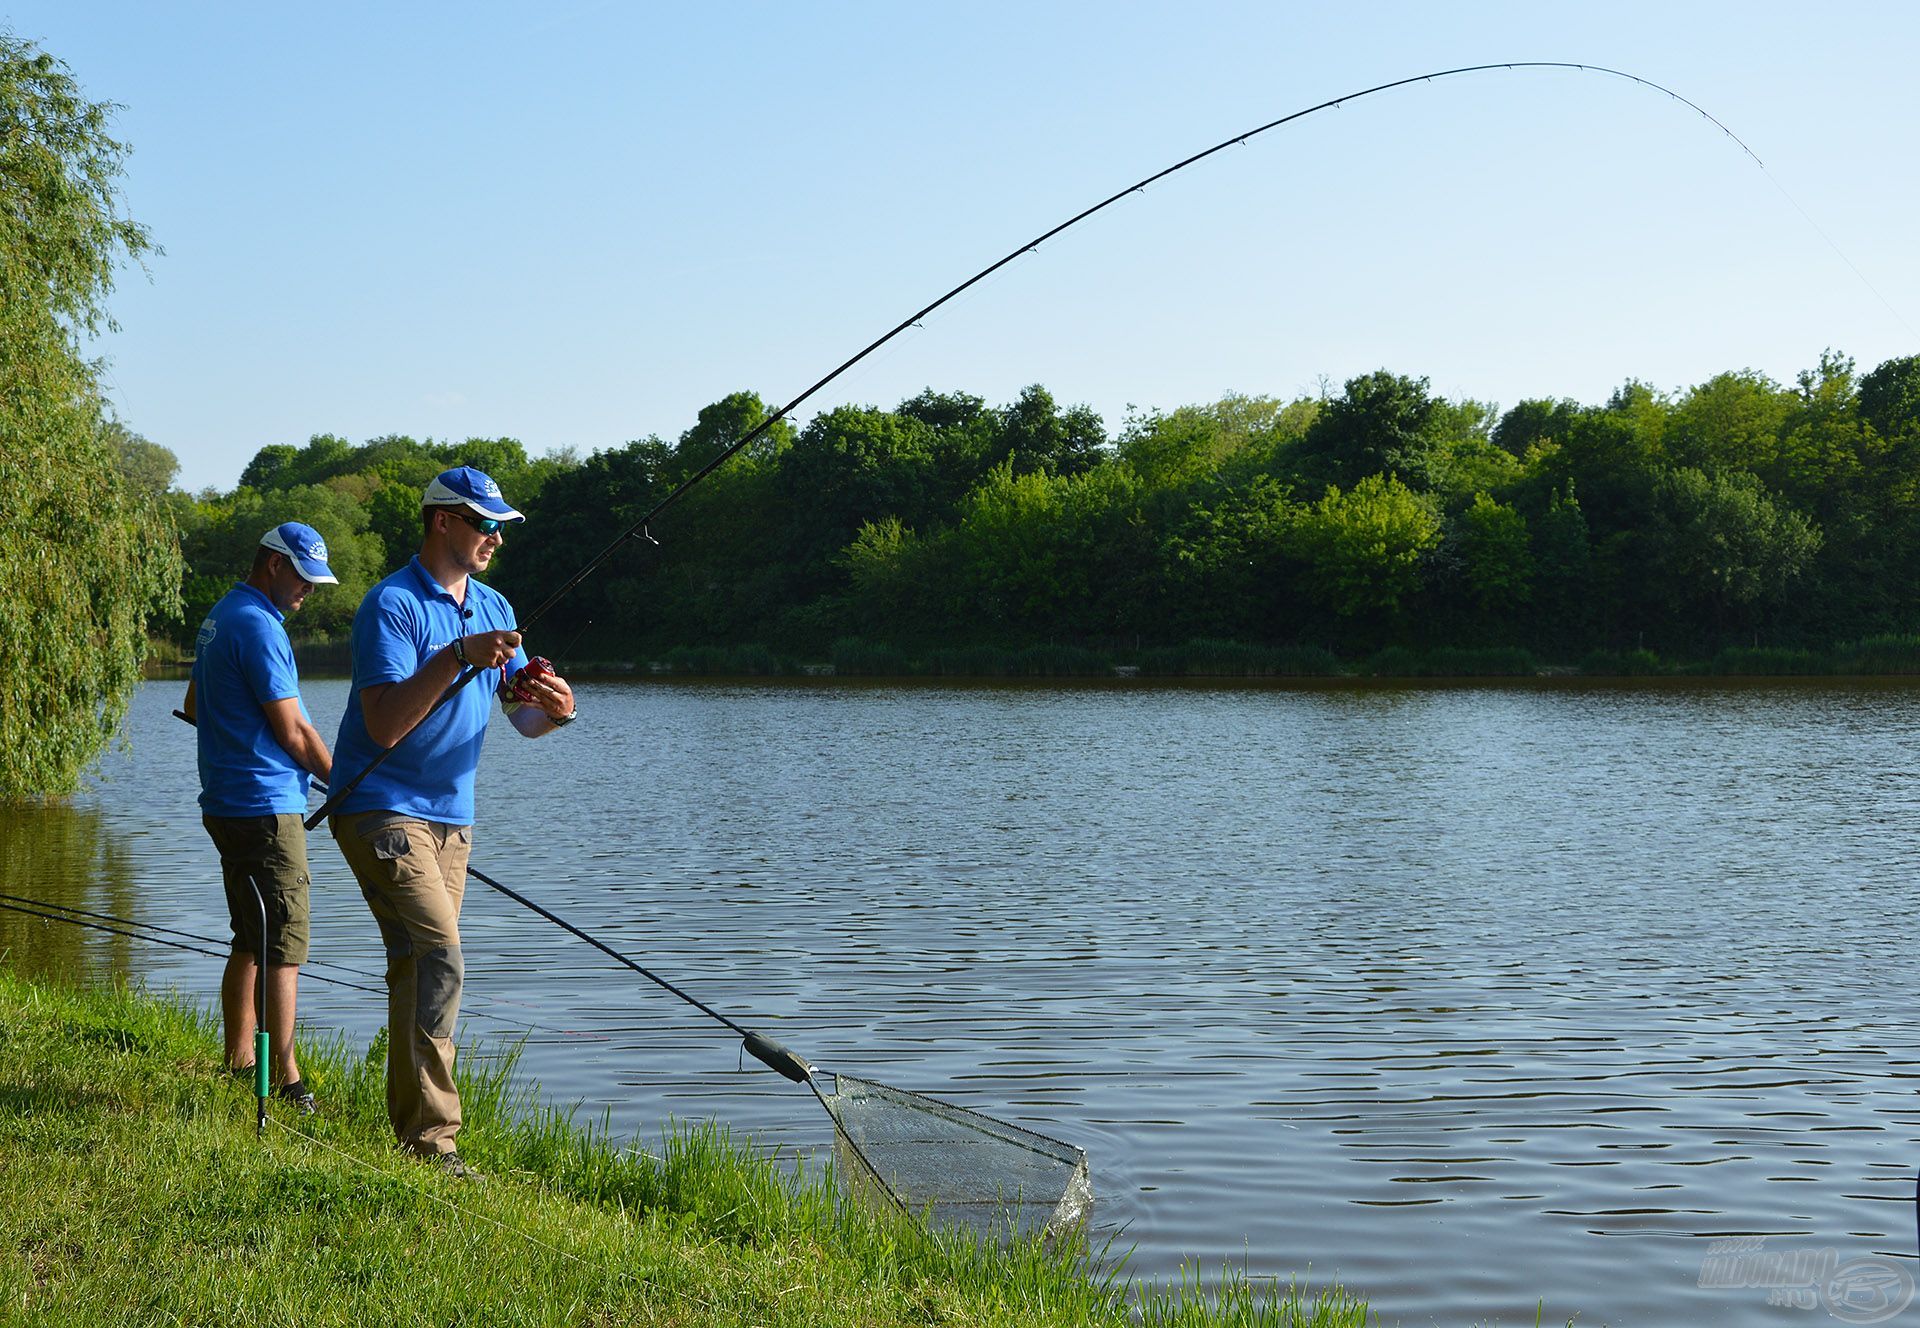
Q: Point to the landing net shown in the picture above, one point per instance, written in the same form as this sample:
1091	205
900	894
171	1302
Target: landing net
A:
955	1166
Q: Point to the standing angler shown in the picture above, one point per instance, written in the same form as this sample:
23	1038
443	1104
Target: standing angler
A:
408	828
257	747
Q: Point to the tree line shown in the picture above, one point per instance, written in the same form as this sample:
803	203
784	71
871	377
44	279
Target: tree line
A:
1740	511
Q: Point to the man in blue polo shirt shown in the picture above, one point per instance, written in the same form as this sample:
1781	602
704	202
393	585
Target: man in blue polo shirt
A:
408	828
257	748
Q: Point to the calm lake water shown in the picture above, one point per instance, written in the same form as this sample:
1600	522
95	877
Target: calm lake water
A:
1464	997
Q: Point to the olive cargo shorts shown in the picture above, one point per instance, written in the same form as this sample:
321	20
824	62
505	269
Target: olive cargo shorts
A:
271	852
413	874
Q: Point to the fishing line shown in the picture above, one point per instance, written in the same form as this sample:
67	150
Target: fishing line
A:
172	931
639	528
143	931
1831	244
926	326
161	940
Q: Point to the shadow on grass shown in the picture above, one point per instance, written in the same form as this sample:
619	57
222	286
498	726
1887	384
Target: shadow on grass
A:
54	1099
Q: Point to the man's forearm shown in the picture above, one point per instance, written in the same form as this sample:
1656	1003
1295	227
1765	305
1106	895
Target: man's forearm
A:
392	714
297	736
532	721
314	756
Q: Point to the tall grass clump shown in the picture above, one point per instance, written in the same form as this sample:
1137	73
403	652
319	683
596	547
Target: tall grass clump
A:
857	657
1056	661
1237	1299
1393	662
1622	664
1037	661
750	661
757	661
964	661
1769	662
1878	655
1453	662
700	661
1207	657
1482	662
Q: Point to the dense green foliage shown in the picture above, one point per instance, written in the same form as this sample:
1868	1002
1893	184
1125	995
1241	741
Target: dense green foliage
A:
1736	514
133	1190
87	553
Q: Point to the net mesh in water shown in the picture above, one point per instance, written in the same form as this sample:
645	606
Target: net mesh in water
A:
960	1168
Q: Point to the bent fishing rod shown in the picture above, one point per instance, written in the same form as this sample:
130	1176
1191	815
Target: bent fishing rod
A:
639	530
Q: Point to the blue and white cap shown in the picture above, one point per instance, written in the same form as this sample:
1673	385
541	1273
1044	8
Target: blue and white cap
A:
463	486
304	549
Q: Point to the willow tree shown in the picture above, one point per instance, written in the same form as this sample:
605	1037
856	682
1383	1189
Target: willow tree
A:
86	559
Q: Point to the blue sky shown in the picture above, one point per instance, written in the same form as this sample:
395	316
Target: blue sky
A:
578	225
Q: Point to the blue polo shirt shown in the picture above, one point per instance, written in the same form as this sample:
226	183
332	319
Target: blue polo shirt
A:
403	622
242	660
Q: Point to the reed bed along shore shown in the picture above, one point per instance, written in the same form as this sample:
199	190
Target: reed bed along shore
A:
134	1190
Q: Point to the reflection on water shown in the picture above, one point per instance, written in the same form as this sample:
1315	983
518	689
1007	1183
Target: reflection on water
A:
1466	997
68	856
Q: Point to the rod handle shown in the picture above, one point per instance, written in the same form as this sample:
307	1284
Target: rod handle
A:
778	1058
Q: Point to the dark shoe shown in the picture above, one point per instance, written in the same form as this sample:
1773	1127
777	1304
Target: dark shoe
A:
452	1164
299	1095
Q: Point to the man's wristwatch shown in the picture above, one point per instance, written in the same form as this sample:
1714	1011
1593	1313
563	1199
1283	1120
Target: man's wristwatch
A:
561	721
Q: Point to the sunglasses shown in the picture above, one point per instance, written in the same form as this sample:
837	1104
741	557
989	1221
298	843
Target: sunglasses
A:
486	525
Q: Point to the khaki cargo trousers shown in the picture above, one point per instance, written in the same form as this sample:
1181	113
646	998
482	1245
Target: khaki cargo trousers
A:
413	874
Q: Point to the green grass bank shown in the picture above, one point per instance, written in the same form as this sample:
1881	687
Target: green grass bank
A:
133	1190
